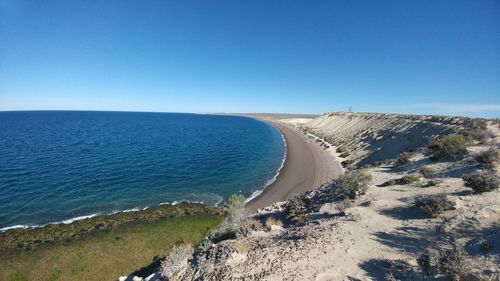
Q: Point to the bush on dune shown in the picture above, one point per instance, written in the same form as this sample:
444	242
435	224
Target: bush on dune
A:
405	158
481	181
433	205
487	158
353	183
272	221
296	209
427	172
177	258
234	204
449	146
478	130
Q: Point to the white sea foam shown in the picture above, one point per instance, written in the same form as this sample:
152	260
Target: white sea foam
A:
269	182
14	227
68	221
79	218
130	210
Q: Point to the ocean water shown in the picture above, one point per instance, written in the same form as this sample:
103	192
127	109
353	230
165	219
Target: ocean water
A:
59	166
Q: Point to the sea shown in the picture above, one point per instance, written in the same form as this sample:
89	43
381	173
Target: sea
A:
62	166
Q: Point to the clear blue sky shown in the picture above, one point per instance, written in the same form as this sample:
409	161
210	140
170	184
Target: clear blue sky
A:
439	57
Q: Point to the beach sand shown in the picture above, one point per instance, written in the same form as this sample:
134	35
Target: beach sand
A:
307	166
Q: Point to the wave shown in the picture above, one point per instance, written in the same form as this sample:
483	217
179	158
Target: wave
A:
67	221
79	218
273	179
24	226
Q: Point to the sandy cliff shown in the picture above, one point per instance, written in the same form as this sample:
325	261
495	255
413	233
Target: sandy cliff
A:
385	233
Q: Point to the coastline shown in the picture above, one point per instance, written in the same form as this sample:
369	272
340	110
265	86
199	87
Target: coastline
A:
306	165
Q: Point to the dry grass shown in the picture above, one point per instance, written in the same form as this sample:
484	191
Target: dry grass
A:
241	245
178	256
270	221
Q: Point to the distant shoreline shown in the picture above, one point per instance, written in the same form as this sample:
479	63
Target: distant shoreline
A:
306	166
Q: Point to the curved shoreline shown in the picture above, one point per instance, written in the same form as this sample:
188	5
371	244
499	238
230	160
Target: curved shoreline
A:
306	166
258	192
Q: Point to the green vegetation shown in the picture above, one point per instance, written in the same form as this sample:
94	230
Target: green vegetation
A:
433	205
102	254
353	183
233	204
54	234
481	181
296	209
449	146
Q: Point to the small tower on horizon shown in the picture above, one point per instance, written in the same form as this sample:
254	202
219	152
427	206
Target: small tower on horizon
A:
350	109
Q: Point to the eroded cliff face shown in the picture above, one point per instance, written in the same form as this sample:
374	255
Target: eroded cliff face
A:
365	138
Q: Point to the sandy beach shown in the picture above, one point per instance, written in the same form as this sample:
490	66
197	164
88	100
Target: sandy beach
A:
307	165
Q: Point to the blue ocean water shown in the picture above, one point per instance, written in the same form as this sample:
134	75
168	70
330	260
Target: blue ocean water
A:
60	165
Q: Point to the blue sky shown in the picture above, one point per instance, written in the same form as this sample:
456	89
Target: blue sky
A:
425	57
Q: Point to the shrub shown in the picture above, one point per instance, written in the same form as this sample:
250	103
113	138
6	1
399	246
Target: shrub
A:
244	228
433	182
234	209
481	181
409	179
448	146
233	204
241	246
388	183
344	154
451	264
479	133
342	207
447	263
353	183
346	163
224	234
427	172
296	209
405	158
406	179
177	258
253	224
487	158
270	221
433	205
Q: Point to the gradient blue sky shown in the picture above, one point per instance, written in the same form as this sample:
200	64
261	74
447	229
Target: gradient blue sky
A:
438	57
